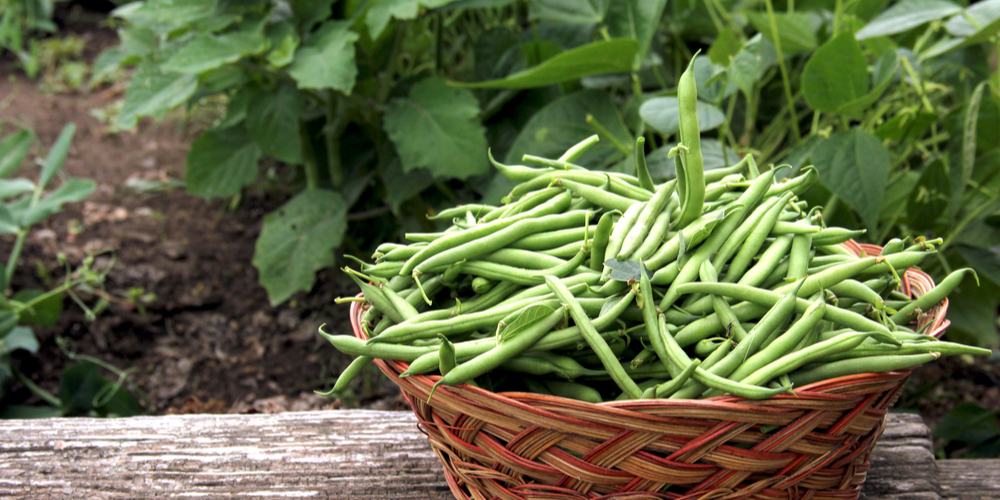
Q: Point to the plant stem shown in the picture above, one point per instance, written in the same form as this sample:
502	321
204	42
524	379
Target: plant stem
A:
15	254
47	396
333	130
308	158
603	131
784	71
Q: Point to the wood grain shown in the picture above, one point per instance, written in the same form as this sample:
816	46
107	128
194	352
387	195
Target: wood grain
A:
361	455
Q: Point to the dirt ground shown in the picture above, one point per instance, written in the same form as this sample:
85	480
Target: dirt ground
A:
209	341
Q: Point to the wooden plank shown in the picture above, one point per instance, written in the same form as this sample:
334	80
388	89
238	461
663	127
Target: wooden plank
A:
970	479
361	455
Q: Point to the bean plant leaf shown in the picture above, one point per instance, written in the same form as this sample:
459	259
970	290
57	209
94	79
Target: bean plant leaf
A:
83	391
166	15
636	19
986	261
380	12
297	240
71	191
437	128
221	163
10	188
749	65
724	47
612	56
968	423
44	313
152	92
273	121
972	311
974	19
523	319
836	75
309	13
205	52
929	198
854	165
57	155
401	186
8	224
20	337
661	166
662	113
906	125
563	123
886	69
326	60
796	31
13	149
626	270
968	142
569	11
907	15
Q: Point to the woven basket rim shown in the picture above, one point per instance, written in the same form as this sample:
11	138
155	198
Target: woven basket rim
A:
914	283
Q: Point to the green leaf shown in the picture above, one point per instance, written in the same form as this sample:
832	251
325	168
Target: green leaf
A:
8	223
13	149
568	11
982	14
236	110
20	337
326	60
662	113
929	198
896	196
166	15
854	165
284	42
749	65
907	15
205	52
626	270
636	19
437	128
380	12
45	313
71	191
221	162
906	125
57	155
796	32
309	13
969	141
84	392
10	188
401	186
273	121
725	47
297	240
522	320
152	92
986	261
836	75
563	123
972	311
612	56
968	423
22	412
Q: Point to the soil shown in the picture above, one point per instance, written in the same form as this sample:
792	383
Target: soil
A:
209	341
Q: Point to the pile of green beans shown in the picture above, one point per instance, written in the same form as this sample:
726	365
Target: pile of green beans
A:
602	285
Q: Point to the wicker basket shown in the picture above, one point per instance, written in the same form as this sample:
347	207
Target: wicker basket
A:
536	447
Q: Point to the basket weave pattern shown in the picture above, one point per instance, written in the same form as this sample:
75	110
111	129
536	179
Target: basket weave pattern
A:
521	446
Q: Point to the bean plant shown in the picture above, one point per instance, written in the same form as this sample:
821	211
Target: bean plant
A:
383	109
20	22
25	203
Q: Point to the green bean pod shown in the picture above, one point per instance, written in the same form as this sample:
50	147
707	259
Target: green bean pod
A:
933	297
690	178
861	365
599	245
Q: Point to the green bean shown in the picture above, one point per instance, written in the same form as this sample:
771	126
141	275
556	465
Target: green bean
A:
792	362
620	231
861	365
798	185
690	178
784	227
933	297
566	251
496	240
616	186
720	353
894	245
943	348
798	258
722	309
482	285
695	233
599	246
441	245
593	338
597	196
755	241
705	347
641	170
579	148
655	237
769	261
856	289
644	355
784	344
376	296
353	370
553	239
502	352
526	259
644	222
519	173
572	390
446	355
835	236
741	233
354	346
665	390
402	253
